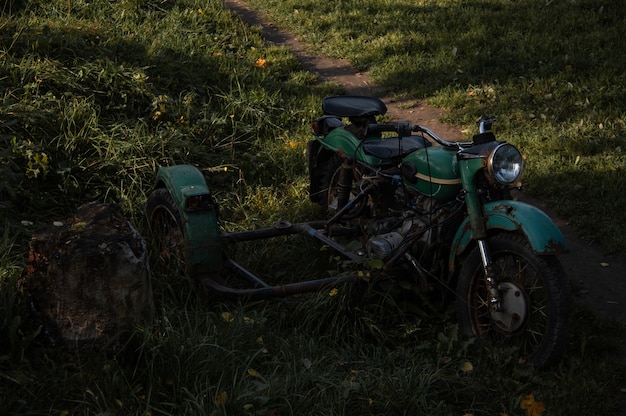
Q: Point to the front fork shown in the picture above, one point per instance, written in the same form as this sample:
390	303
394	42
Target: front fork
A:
495	301
468	169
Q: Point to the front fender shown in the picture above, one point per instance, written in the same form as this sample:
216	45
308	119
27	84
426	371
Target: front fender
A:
186	185
541	232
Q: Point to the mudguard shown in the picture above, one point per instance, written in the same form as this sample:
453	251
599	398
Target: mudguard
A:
343	142
542	234
186	185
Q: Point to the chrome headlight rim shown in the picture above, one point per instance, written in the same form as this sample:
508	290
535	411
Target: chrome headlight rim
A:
505	164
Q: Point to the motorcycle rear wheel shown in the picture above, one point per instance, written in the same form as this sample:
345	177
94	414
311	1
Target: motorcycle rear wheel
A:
329	184
535	301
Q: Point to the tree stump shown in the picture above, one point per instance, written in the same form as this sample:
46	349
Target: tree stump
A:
89	279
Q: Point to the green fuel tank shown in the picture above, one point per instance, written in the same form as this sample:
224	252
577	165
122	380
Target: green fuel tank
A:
437	172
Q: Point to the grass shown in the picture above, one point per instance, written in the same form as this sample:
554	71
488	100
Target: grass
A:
97	95
551	71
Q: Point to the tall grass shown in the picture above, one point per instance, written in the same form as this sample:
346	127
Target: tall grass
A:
98	95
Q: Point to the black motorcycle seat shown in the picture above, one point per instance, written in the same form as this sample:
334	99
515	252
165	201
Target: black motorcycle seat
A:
353	106
394	147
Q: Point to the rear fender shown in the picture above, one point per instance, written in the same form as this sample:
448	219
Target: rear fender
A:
542	234
198	211
346	144
340	141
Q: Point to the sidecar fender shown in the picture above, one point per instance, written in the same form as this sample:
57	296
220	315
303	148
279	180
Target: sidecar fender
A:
542	234
198	211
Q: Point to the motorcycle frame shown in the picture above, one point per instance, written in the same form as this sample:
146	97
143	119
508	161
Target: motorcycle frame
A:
483	219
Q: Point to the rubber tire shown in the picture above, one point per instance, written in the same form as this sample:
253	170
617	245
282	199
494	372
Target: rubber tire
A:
550	296
165	227
328	182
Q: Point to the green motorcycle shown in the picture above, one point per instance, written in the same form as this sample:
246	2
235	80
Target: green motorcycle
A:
437	214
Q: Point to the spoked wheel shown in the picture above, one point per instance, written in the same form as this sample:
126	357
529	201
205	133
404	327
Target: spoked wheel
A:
535	301
166	233
329	190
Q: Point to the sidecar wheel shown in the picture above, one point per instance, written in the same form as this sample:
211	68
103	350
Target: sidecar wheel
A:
165	229
328	190
535	301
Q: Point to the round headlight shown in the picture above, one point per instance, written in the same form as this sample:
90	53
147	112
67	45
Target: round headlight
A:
505	164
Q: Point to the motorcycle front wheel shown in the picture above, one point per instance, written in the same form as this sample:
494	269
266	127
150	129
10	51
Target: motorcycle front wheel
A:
535	298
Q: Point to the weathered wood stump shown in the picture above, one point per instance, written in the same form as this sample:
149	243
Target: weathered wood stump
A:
88	278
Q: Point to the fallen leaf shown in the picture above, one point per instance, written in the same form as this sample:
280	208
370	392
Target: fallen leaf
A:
333	292
253	373
79	226
604	264
532	407
221	398
527	401
466	367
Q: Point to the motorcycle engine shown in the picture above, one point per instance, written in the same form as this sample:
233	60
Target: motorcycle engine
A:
389	234
382	245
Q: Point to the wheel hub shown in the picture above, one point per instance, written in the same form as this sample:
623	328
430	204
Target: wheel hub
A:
514	309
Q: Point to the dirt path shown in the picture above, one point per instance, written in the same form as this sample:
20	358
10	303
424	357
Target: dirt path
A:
598	280
342	73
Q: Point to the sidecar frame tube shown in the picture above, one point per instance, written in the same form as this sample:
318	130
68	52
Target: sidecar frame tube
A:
263	290
283	228
267	291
